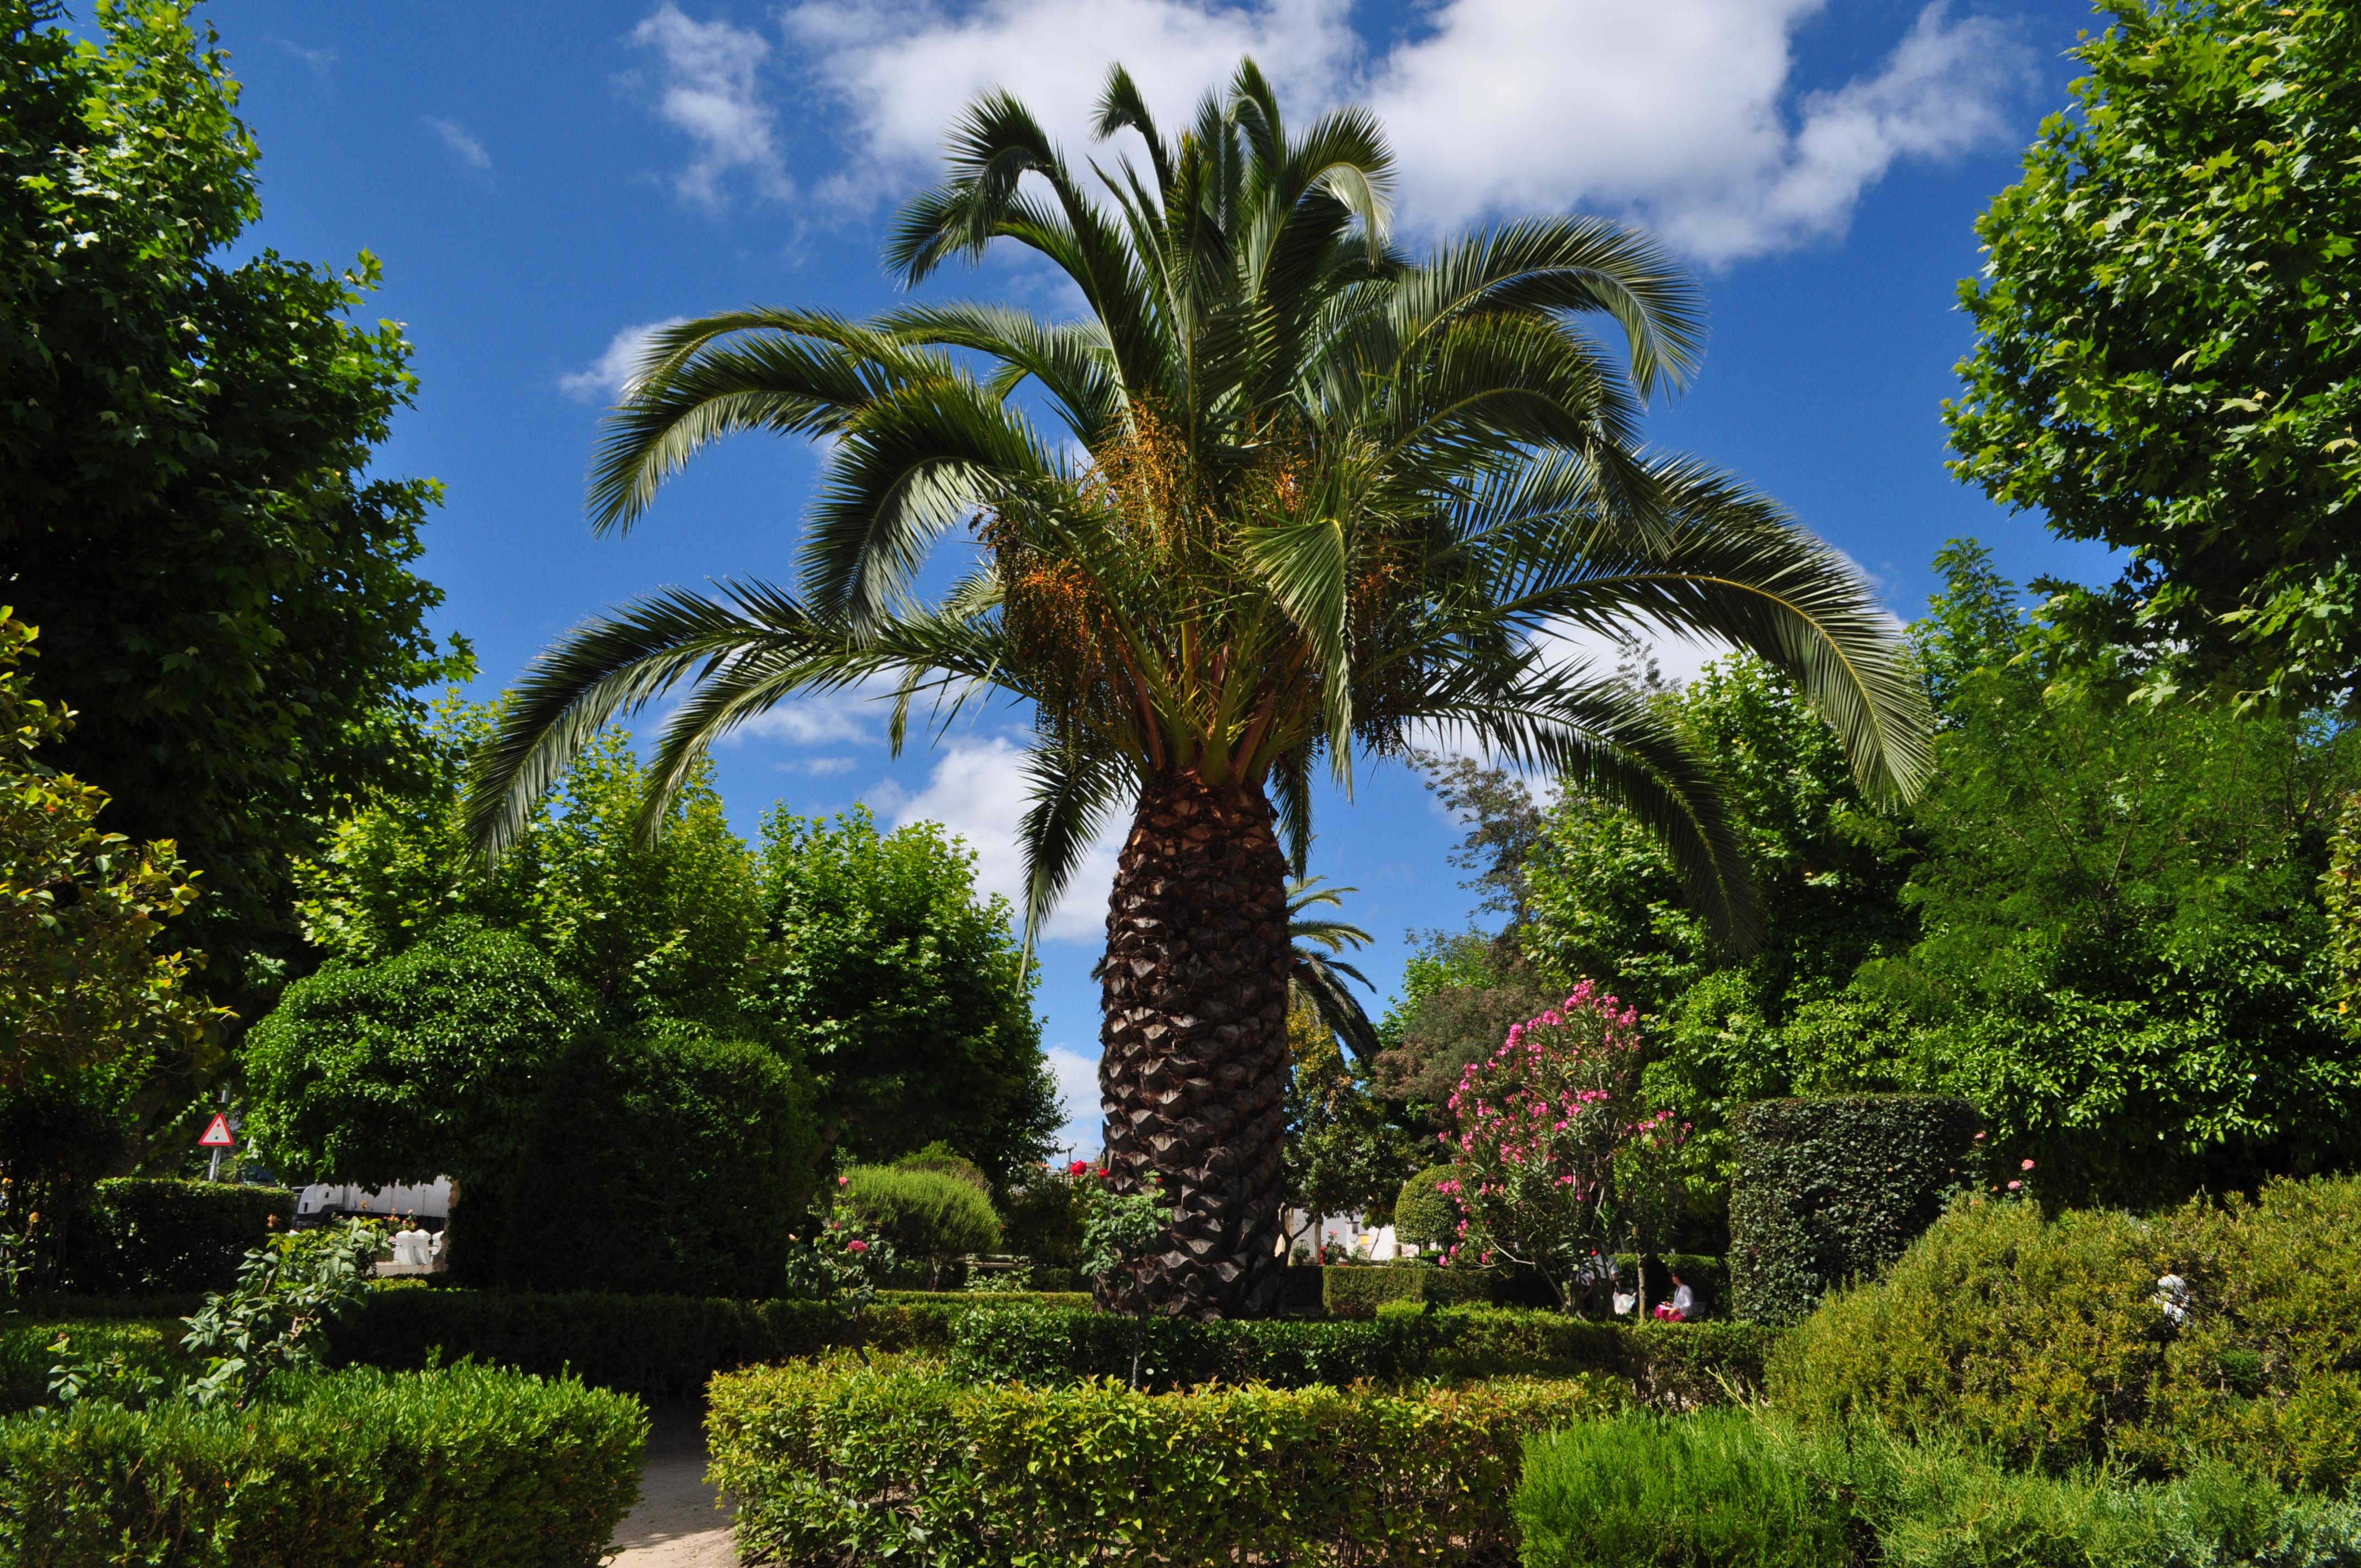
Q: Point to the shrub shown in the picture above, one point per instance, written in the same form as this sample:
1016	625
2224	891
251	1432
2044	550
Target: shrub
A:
1831	1191
667	1162
1706	1275
841	1462
1423	1217
657	1345
1703	1491
2052	1340
1667	1365
356	1468
944	1160
54	1144
1042	1219
1048	1348
143	1235
923	1214
1349	1291
29	1348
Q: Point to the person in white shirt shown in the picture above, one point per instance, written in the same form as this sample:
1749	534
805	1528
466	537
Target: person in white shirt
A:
1681	1307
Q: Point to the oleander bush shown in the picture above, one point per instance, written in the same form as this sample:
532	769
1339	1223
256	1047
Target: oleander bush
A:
838	1463
355	1469
2050	1339
1702	1491
1832	1191
147	1235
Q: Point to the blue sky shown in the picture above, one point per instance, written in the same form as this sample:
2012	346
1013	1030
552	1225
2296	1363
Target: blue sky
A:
540	181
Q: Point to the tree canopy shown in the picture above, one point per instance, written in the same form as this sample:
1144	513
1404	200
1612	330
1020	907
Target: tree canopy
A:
2168	355
223	593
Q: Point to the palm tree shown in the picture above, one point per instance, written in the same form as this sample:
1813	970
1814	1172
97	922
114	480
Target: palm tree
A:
1281	496
1317	970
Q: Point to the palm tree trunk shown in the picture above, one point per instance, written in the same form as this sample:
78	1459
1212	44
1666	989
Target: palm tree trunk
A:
1193	1073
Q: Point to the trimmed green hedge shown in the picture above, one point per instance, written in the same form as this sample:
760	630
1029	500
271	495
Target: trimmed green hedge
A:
1671	1365
1047	1348
27	1356
663	1346
142	1236
1358	1291
840	1463
1831	1191
351	1470
1423	1217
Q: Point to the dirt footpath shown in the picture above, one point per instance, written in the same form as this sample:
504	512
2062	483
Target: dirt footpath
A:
676	1525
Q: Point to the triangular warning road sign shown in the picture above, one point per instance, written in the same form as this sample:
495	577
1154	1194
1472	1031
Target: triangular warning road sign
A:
217	1135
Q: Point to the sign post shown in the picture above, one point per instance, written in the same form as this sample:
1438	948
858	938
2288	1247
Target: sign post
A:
217	1137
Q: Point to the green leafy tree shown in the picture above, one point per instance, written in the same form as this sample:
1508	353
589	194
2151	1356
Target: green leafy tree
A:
185	509
648	929
1307	496
1347	1150
906	994
83	987
2167	359
429	1062
2124	959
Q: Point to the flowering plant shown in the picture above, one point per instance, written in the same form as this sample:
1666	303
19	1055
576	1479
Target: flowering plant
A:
843	1259
1554	1156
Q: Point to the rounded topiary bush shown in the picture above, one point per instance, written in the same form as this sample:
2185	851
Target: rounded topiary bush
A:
1423	1217
2054	1340
923	1213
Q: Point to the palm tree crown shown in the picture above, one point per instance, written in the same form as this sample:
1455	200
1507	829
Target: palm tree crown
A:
1311	494
1281	496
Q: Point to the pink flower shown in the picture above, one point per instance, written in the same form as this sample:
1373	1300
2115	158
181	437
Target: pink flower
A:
844	1181
856	1245
2027	1166
2014	1186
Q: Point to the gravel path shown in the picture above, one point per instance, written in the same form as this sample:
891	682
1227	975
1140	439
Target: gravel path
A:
676	1525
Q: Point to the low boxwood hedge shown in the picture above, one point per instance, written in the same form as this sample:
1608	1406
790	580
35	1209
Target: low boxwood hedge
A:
661	1346
835	1462
1671	1365
347	1470
1358	1291
27	1351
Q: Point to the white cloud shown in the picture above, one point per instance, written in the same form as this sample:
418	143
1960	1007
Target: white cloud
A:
820	719
1680	113
905	69
977	791
820	767
1078	1087
710	89
469	150
610	374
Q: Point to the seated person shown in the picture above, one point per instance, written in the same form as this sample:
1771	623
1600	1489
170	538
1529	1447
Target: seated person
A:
1681	1307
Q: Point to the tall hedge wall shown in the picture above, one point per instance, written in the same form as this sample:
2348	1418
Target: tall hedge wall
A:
142	1236
1831	1191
